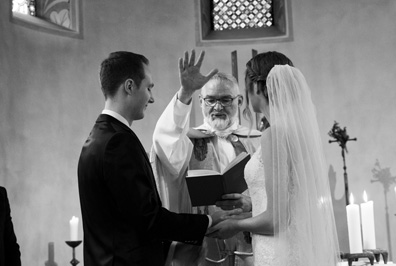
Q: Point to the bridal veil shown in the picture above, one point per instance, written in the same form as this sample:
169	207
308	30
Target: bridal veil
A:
303	209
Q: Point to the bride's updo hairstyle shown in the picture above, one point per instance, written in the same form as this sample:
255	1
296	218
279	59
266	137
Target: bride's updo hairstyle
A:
257	70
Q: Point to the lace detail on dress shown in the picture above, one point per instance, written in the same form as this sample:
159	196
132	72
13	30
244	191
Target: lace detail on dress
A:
263	246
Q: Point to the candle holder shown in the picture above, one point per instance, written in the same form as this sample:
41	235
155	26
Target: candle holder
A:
377	253
73	245
356	256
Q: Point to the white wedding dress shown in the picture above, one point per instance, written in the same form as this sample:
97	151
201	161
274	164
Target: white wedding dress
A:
263	246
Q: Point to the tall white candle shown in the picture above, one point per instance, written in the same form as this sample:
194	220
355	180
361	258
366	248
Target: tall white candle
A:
74	228
368	228
354	230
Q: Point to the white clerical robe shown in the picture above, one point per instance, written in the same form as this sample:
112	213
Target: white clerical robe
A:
172	150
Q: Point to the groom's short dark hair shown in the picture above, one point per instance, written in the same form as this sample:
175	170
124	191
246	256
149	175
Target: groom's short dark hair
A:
118	67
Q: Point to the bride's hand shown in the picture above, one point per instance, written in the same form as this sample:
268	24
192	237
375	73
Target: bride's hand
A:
219	216
224	230
241	216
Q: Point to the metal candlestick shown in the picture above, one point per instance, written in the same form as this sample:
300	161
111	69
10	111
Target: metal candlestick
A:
377	254
341	137
356	256
73	245
370	254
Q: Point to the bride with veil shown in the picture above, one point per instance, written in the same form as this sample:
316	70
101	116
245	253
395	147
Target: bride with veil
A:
292	219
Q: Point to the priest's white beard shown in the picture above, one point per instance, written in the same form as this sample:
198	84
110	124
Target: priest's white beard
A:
221	126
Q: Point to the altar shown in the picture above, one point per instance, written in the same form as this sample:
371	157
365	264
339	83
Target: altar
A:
355	217
364	263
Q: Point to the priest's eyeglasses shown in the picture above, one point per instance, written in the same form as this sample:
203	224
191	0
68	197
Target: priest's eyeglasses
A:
224	101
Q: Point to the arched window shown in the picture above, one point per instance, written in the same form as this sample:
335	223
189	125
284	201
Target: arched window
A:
231	15
242	21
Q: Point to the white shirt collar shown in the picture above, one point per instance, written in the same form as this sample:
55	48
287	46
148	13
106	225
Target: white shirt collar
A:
116	116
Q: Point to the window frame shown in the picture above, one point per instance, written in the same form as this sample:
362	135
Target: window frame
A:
43	25
280	31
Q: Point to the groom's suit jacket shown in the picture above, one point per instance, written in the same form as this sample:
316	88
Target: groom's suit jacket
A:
9	248
124	222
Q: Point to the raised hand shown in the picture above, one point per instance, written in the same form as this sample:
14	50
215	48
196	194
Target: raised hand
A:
191	78
235	200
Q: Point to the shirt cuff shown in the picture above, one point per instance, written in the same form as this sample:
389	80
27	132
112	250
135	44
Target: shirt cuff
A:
181	105
181	112
210	221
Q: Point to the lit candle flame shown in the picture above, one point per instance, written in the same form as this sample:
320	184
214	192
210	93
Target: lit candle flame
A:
351	199
365	196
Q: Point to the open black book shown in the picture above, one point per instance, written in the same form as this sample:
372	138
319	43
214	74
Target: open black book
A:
207	186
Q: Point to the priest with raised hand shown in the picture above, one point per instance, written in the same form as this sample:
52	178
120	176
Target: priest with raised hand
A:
213	145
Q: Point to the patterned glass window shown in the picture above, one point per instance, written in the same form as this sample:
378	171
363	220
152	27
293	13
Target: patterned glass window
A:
53	11
241	14
26	7
62	17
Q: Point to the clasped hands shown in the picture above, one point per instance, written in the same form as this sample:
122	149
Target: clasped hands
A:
226	223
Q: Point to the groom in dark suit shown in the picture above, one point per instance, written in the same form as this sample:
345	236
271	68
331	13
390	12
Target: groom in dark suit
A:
123	220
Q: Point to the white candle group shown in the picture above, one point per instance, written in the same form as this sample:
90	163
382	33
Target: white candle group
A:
74	228
368	230
365	218
354	230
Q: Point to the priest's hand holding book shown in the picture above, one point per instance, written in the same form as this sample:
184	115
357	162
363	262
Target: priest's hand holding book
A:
235	200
